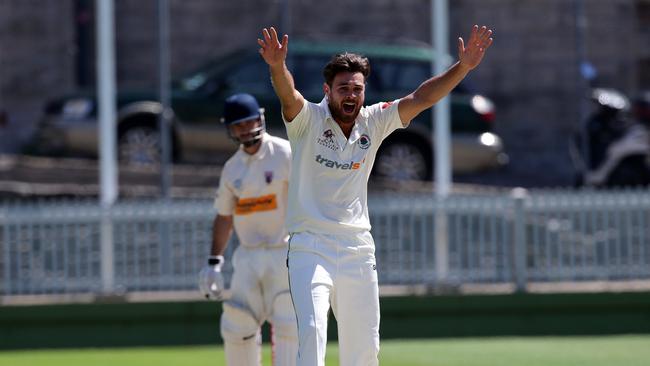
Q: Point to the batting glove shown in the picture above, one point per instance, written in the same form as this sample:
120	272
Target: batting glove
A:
211	282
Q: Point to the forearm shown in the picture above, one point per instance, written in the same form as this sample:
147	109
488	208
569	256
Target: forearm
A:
430	92
282	81
221	232
283	84
436	88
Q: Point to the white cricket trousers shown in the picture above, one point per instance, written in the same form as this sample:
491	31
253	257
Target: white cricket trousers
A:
260	291
338	271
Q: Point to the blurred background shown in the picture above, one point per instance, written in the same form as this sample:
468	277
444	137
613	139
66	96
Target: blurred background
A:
548	212
538	75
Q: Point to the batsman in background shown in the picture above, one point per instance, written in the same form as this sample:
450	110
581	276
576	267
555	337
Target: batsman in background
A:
331	252
252	197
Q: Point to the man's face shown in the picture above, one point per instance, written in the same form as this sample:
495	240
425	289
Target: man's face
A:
346	96
245	131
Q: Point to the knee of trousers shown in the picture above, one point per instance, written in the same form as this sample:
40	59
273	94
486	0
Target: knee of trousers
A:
283	317
238	323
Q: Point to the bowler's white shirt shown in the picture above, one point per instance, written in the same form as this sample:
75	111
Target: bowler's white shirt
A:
253	188
329	173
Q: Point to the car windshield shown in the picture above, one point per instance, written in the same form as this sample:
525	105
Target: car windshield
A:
195	79
192	82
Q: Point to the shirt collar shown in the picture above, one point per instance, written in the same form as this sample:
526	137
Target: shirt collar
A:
328	114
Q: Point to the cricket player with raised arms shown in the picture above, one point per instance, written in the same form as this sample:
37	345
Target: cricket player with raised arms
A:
334	143
252	198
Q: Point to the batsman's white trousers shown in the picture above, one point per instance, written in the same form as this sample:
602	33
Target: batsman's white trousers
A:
260	292
337	271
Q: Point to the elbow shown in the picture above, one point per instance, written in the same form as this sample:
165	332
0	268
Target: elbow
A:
425	101
422	100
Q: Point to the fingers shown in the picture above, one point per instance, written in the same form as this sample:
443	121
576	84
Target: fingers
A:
274	35
271	38
488	44
266	35
480	37
285	41
262	47
485	37
484	43
473	34
461	45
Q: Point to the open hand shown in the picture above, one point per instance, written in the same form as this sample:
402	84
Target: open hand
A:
272	50
478	43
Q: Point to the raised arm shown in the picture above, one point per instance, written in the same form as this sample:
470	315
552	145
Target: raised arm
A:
436	88
275	55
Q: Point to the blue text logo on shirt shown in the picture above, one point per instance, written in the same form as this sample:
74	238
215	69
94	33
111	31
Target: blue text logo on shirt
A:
338	165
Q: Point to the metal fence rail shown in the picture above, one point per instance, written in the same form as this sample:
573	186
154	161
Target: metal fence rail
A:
54	248
516	238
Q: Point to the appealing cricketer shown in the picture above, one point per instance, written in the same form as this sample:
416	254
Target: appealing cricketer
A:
331	255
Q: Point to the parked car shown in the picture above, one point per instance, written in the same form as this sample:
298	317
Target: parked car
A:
70	123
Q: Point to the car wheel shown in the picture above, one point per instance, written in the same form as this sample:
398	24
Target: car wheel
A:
404	159
139	145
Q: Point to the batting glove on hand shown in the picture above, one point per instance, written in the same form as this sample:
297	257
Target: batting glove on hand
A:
211	281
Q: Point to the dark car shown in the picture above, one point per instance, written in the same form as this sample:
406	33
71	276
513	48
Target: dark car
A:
70	124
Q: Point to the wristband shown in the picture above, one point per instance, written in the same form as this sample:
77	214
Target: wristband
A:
214	260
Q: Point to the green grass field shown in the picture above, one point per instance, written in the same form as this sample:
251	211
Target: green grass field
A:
529	351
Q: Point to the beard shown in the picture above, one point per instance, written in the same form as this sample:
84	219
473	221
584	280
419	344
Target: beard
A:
340	115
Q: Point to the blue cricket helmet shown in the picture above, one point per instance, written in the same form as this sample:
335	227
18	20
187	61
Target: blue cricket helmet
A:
240	108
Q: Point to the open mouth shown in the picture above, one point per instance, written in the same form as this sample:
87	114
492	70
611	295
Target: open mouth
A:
349	107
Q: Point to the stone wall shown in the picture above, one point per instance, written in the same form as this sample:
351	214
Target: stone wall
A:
36	62
531	71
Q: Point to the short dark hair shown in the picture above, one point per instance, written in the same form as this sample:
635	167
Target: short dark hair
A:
346	62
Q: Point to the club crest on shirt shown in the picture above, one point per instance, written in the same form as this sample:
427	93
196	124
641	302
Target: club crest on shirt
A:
237	183
327	140
268	176
364	141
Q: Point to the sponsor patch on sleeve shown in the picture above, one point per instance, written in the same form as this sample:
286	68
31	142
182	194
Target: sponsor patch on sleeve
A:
246	206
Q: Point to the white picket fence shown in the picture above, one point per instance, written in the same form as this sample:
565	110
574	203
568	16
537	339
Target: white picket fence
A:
158	246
